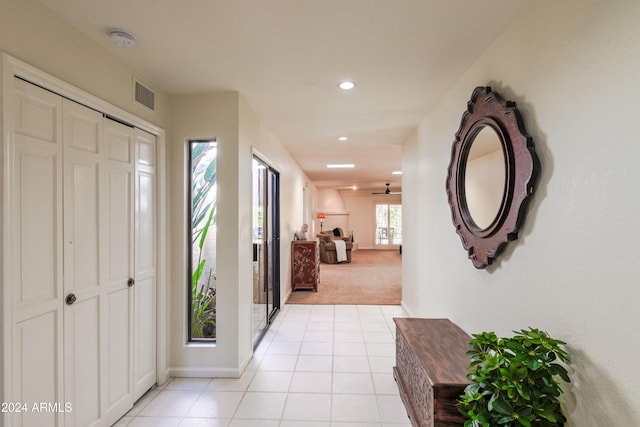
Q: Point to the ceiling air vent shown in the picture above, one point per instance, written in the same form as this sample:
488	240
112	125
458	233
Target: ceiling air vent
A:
144	95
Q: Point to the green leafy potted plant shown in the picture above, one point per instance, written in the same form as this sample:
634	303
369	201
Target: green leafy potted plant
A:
515	381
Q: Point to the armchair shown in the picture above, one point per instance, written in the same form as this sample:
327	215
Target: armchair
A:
327	246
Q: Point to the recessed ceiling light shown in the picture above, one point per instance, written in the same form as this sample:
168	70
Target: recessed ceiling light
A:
343	138
341	165
355	187
346	85
396	173
121	38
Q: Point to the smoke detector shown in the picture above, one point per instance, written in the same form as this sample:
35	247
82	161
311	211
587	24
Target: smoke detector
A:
121	38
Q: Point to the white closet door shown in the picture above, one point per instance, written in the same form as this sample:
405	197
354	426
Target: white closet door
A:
36	256
83	242
118	269
81	330
98	229
144	368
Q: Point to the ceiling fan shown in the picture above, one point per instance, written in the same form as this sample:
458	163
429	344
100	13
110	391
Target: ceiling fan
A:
388	190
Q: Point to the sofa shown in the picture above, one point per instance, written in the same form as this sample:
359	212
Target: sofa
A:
328	247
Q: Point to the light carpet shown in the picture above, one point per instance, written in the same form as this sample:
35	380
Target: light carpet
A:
372	277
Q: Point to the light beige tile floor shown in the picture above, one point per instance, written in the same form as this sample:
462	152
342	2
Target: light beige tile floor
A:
317	366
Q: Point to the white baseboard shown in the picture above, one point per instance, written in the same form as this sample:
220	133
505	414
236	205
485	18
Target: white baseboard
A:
286	297
164	377
406	309
196	372
204	373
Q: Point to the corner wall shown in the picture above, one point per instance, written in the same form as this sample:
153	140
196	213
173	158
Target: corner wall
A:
240	132
201	117
572	67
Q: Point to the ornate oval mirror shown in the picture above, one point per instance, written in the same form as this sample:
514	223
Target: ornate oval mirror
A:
491	175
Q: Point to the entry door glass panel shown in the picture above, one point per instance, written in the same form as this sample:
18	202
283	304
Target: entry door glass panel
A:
260	253
273	218
266	246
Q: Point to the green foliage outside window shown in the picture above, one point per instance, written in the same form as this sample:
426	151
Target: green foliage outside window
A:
203	221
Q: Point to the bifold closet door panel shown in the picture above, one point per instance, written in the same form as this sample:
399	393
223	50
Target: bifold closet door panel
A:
82	261
82	204
36	258
98	218
83	243
118	268
144	352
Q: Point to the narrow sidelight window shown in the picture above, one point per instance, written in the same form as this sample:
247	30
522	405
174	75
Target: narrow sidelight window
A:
202	240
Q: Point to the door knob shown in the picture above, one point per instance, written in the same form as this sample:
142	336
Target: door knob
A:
71	298
131	282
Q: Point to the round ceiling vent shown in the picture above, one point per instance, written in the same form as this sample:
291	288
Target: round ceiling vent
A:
122	38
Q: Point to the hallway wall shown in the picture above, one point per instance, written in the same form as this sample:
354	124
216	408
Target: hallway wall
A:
572	67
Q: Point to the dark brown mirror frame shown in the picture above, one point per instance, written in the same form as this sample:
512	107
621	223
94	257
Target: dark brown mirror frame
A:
487	108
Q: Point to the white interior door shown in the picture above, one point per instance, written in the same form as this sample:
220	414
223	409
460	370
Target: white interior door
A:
35	261
98	238
118	266
83	238
83	227
144	351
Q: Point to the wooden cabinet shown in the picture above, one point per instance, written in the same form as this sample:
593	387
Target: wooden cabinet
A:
305	265
431	370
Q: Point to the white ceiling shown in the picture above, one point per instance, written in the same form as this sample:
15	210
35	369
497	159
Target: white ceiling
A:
286	57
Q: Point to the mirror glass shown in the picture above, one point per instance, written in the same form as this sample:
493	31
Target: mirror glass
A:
485	177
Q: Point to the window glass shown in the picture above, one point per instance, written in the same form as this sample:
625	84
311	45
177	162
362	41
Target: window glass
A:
388	224
202	240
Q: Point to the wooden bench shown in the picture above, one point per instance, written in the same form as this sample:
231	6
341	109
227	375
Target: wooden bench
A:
431	370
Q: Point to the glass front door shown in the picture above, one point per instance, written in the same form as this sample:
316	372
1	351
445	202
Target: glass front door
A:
266	246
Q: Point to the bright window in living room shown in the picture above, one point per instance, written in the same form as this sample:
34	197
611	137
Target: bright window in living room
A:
388	225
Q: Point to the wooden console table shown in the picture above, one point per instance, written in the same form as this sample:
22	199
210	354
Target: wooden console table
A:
431	370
